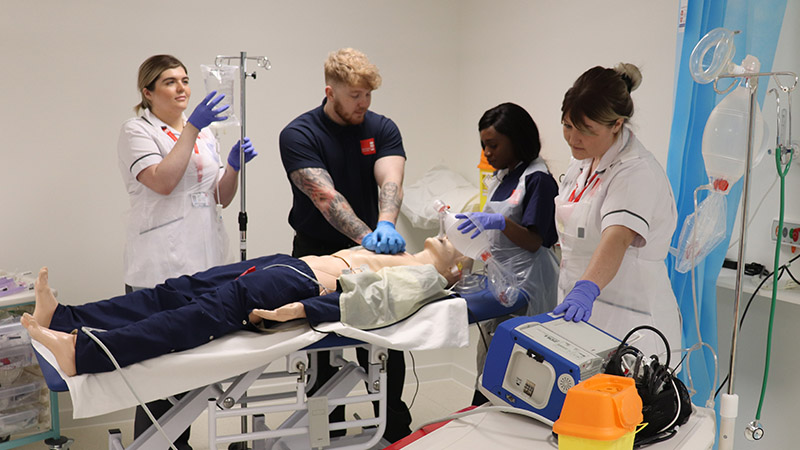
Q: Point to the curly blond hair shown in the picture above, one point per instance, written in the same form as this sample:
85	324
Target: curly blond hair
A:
351	67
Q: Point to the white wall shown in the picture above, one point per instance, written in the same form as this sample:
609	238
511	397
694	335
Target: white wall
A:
531	53
70	81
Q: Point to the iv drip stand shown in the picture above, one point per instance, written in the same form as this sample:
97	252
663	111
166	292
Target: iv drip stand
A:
729	404
262	61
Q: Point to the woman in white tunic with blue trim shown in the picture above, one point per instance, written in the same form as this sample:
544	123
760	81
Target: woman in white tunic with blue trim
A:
177	187
173	175
615	215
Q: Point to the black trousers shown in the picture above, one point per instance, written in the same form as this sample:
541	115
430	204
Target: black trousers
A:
398	421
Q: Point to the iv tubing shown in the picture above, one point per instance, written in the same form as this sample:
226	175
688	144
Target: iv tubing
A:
700	343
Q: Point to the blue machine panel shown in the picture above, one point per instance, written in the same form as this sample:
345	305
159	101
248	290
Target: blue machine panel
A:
533	361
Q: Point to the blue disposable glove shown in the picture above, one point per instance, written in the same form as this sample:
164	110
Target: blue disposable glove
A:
204	114
578	303
249	153
385	239
487	221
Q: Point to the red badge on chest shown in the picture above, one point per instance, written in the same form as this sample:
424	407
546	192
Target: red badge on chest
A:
368	146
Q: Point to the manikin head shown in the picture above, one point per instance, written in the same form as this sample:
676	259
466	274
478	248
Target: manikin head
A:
444	256
350	79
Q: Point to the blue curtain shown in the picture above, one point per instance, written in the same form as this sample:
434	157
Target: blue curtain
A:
759	22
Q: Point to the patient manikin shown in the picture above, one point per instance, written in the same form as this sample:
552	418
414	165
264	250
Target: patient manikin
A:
188	311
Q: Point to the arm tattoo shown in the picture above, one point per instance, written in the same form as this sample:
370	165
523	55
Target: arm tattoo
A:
317	184
390	199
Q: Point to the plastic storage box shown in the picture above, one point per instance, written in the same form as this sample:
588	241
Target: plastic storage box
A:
19	419
16	352
25	390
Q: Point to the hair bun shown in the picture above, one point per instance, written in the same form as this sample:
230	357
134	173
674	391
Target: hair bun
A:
627	80
630	74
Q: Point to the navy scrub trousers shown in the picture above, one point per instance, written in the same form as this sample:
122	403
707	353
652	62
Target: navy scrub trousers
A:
182	313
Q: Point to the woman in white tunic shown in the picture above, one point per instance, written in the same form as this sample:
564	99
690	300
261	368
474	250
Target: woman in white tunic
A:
615	215
172	171
177	187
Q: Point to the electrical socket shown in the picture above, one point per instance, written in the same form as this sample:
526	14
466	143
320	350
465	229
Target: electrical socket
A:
790	235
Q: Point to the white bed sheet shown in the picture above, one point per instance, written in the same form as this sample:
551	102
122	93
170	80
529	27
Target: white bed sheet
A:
441	324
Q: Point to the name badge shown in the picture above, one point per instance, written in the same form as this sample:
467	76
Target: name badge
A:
200	199
368	146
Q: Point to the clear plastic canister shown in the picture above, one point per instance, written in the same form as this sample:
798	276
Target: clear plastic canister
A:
478	248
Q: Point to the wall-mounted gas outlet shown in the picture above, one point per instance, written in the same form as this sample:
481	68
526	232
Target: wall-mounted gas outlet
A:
790	235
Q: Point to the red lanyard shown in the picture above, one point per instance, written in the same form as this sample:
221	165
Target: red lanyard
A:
592	181
197	161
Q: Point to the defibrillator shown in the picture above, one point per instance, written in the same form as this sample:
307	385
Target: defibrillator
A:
533	361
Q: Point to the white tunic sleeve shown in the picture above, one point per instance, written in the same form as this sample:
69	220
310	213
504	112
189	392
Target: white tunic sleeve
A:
635	194
137	147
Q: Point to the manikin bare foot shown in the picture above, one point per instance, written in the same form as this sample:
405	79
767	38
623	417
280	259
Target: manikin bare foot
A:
45	300
285	313
62	345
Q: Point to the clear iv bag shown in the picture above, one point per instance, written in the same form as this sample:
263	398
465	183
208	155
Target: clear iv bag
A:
702	231
221	79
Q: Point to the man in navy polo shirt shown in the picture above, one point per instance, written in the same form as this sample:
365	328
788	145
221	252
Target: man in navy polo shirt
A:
346	164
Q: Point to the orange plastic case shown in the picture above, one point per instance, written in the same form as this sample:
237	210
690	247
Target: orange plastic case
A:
601	412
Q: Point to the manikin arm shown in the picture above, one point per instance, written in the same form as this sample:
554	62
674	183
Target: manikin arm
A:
322	308
285	313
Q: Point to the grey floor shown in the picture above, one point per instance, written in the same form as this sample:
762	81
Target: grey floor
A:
433	400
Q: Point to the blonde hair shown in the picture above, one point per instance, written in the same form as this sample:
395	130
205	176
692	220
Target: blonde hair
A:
352	68
602	95
149	71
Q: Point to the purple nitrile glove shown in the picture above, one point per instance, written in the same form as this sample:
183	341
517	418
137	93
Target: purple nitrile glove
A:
385	239
577	305
487	221
249	153
204	114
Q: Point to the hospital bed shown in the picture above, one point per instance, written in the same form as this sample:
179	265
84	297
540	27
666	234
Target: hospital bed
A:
218	376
